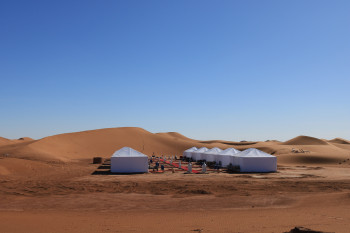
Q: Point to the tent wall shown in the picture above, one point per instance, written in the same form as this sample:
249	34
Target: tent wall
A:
191	154
196	155
224	159
210	157
256	164
129	164
234	160
187	154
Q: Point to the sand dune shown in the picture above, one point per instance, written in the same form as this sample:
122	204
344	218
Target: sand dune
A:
4	141
339	140
71	147
305	140
102	142
176	135
26	139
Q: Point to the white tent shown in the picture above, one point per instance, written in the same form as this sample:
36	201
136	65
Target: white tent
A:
210	155
195	155
254	160
128	160
227	156
187	153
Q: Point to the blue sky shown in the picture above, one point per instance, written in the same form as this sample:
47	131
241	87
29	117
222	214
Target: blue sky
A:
235	70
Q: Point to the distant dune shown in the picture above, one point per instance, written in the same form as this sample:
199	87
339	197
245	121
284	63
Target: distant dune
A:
339	140
70	147
243	143
25	139
4	141
305	140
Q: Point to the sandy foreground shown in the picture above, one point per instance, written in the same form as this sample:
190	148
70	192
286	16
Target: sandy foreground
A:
50	185
73	200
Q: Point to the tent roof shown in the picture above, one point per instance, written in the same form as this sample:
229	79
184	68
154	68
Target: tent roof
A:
191	149
214	150
252	152
203	149
230	151
128	152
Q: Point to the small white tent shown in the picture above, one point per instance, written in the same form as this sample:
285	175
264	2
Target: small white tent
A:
195	155
128	160
227	156
187	153
254	160
210	155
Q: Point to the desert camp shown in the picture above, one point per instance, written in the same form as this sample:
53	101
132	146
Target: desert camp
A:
180	116
128	160
109	170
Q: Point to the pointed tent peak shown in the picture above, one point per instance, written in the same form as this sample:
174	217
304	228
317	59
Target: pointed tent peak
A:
253	152
230	151
203	149
191	149
214	150
128	152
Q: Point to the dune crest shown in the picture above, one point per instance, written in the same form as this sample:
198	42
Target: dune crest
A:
175	135
305	140
24	139
4	141
339	140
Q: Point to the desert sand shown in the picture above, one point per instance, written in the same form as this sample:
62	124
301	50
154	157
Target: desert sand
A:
51	185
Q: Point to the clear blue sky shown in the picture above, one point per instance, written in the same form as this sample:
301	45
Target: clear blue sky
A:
235	70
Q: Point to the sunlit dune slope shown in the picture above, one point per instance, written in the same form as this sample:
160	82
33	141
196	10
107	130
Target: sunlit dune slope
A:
4	141
175	135
102	142
340	141
305	140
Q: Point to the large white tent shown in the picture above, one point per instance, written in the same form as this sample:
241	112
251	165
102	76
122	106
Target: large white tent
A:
227	156
254	160
188	153
195	155
210	155
128	160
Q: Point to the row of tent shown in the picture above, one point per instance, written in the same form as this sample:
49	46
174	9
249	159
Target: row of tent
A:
250	160
128	160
